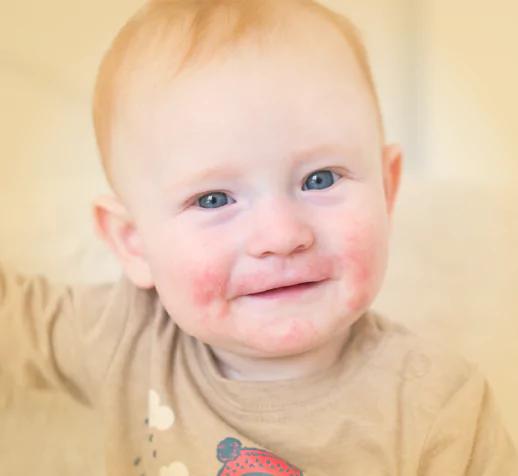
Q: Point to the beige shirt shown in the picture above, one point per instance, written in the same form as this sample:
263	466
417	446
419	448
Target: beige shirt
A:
394	403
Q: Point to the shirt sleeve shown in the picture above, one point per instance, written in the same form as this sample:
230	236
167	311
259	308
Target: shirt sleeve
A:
47	332
468	437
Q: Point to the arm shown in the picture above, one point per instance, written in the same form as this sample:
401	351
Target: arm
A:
45	332
468	437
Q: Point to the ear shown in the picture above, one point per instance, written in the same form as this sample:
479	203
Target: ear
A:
392	165
114	225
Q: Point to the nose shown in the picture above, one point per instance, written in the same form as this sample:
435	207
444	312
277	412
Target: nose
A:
278	228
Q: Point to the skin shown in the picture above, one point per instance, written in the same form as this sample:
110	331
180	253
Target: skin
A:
256	111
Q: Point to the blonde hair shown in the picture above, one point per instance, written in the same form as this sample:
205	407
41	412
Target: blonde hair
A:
198	29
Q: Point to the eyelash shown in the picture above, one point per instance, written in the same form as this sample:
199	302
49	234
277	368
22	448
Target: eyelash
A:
194	200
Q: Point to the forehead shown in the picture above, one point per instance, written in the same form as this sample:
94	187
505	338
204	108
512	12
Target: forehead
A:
256	103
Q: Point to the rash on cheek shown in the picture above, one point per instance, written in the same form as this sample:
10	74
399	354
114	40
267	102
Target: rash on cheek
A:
363	264
207	285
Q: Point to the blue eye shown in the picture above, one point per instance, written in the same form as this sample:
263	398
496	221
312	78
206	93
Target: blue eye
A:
213	200
320	179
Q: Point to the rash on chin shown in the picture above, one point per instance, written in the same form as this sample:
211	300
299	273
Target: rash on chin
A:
290	336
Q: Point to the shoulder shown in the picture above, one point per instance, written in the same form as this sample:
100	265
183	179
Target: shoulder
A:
437	402
112	302
111	318
425	369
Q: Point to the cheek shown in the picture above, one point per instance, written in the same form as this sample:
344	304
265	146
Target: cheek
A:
192	281
208	288
198	269
198	299
207	284
363	259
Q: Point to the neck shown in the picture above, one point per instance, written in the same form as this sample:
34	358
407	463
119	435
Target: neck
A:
239	367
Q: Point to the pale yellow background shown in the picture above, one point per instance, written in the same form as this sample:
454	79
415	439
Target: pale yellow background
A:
447	72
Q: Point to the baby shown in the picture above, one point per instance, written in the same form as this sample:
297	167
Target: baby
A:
253	194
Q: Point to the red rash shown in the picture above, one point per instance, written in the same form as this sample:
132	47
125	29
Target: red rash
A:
287	338
207	285
299	330
359	259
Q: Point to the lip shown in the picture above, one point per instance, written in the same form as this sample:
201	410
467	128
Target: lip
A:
278	285
286	292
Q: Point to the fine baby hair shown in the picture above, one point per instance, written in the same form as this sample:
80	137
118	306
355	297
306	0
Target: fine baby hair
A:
165	37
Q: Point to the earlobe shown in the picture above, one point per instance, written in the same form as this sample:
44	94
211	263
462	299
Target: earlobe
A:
392	166
114	225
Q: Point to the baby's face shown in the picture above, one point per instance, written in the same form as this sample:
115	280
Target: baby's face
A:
260	172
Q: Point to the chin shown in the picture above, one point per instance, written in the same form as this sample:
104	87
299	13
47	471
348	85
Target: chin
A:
295	337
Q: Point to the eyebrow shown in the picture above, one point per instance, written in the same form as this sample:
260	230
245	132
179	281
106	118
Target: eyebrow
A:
232	171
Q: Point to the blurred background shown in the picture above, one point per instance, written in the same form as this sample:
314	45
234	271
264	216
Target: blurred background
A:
447	72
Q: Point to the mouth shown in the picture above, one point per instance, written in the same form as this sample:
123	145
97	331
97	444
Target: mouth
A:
286	291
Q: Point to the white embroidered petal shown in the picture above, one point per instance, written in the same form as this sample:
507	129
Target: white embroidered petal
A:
160	417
